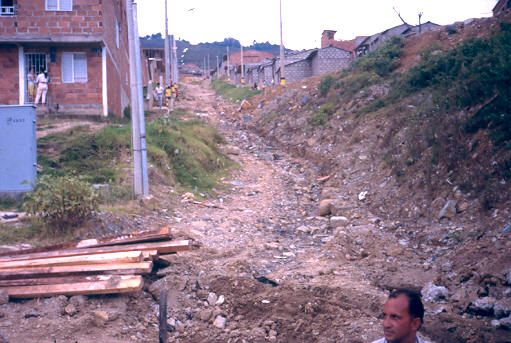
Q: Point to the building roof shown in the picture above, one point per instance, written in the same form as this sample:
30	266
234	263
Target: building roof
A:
152	44
249	56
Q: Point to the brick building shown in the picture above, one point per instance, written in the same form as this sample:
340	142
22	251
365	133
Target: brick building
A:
83	44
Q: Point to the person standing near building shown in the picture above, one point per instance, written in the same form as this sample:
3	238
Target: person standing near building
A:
31	85
42	88
159	94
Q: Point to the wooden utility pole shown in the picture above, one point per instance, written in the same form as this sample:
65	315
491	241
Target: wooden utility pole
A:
167	48
282	74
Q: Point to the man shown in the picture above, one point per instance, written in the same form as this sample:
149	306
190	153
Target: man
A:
403	315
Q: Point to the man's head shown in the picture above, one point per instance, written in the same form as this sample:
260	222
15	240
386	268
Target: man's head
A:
403	316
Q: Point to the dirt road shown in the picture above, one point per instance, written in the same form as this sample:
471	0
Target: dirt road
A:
265	266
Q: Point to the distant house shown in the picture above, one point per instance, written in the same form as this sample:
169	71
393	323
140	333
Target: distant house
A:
266	72
328	40
375	41
501	7
330	59
82	44
153	59
251	58
314	62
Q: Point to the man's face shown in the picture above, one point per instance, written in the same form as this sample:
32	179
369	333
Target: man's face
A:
398	325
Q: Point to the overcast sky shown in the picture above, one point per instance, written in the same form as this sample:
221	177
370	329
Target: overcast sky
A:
303	20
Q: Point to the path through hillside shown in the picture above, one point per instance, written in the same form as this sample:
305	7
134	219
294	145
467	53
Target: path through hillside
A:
264	226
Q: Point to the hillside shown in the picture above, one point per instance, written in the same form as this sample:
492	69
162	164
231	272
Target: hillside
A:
418	135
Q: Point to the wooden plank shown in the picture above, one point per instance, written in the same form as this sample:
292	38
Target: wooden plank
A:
136	237
53	280
162	248
111	269
139	237
116	257
111	285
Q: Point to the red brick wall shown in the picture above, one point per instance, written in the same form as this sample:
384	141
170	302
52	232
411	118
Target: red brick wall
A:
32	19
117	57
9	79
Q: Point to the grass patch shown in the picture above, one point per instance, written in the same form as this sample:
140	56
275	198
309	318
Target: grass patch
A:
231	92
323	114
189	150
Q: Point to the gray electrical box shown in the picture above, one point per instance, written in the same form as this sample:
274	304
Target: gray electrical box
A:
18	149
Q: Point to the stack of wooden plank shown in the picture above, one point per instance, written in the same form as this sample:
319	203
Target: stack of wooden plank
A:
94	266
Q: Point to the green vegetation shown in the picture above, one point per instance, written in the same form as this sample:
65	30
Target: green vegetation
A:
231	92
185	151
62	201
323	114
325	84
476	72
189	151
382	61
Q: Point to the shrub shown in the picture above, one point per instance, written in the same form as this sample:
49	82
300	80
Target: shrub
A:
384	60
325	84
62	201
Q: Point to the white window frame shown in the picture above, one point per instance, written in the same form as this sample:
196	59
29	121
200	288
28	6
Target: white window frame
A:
73	75
59	8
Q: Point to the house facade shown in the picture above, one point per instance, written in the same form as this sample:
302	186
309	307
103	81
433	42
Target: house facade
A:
330	59
82	44
375	41
501	7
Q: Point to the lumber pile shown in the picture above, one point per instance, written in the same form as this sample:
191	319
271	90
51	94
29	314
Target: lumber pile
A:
94	266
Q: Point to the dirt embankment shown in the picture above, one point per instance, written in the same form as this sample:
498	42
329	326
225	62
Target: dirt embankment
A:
409	223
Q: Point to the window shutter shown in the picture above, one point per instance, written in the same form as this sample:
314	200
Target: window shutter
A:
67	67
52	5
66	5
80	67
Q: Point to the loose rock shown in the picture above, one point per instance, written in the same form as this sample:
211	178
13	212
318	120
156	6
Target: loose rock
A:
220	322
433	293
4	297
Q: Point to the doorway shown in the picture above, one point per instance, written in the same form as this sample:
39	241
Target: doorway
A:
35	63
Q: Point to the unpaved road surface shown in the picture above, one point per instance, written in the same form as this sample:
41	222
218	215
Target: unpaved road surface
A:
265	266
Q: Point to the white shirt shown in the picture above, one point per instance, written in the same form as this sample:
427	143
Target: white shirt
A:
41	79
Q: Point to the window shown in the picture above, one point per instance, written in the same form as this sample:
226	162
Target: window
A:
74	67
59	5
7	7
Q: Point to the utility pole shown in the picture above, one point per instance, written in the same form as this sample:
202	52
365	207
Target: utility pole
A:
140	90
242	81
282	74
420	24
228	65
209	68
167	48
137	102
173	59
217	68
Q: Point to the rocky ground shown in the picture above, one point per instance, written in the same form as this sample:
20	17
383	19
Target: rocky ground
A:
287	252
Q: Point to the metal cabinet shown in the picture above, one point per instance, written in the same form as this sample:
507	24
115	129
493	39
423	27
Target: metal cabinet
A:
18	149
